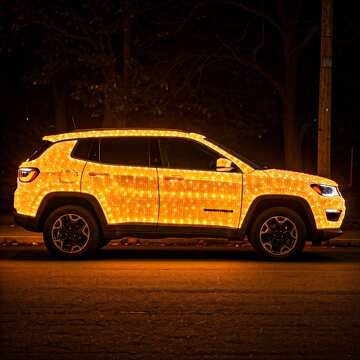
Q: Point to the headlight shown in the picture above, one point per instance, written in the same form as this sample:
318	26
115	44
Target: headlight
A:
325	190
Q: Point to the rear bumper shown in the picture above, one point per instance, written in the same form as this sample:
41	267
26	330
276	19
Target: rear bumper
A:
27	222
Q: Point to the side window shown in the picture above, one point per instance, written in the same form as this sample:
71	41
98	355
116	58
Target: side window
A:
187	154
82	149
130	151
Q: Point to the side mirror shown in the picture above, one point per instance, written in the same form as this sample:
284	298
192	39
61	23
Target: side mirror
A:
224	165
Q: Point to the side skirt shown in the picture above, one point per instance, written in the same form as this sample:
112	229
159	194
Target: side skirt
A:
151	231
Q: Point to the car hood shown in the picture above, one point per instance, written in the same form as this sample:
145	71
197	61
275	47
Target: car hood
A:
309	178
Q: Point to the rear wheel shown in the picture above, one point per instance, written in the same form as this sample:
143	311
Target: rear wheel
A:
278	233
71	232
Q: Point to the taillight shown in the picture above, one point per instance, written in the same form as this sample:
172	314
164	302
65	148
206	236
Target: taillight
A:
28	174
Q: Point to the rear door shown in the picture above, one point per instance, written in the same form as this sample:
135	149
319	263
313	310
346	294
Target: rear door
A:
119	175
192	193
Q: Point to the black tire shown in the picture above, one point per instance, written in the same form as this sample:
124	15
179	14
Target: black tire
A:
273	236
71	232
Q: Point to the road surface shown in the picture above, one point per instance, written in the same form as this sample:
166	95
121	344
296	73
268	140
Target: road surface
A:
179	304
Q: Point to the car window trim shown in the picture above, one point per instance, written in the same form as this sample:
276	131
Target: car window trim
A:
72	154
151	162
154	152
237	169
98	151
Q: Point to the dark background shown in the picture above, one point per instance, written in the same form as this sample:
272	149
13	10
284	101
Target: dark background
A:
235	70
192	65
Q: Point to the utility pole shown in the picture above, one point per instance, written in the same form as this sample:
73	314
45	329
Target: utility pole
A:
324	124
126	43
126	60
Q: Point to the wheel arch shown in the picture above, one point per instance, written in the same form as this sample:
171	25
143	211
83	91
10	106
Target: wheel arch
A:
296	203
55	200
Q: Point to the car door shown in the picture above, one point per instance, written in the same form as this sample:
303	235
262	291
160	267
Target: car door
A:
119	175
192	193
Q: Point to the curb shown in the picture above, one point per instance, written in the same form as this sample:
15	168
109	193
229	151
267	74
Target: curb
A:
343	242
37	240
21	240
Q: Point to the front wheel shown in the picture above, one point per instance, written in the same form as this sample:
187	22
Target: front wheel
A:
278	233
71	232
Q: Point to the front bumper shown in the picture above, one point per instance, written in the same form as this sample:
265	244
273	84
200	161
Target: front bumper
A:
325	234
27	222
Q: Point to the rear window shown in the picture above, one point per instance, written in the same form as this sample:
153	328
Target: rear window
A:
82	149
40	149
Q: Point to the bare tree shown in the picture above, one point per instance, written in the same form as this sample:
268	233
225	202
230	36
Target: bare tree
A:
83	39
284	19
273	36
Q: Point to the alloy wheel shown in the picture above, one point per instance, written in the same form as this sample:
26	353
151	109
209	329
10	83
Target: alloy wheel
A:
70	233
278	235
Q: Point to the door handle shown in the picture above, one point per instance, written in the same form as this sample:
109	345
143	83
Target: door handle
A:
94	173
173	178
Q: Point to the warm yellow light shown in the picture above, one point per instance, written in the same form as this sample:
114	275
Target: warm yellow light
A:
142	194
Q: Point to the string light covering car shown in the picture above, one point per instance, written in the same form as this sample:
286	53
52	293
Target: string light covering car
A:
83	188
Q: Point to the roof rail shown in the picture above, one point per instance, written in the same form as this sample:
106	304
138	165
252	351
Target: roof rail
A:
133	128
100	132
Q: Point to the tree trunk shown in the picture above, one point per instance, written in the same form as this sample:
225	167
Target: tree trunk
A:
59	106
109	119
291	135
126	63
126	45
110	73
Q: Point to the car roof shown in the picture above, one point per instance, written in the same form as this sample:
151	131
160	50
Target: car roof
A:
90	133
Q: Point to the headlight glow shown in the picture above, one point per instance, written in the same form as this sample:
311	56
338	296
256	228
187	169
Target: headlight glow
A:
325	190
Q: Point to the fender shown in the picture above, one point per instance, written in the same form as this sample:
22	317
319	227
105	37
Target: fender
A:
296	203
59	198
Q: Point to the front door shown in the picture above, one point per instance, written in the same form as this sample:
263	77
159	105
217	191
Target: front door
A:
192	192
121	179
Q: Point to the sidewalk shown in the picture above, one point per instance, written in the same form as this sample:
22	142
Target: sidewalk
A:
16	235
12	235
348	238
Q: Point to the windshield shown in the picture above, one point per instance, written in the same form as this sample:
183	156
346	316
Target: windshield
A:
236	154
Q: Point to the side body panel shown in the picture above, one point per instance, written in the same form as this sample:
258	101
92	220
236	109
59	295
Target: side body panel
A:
288	183
189	197
58	172
126	194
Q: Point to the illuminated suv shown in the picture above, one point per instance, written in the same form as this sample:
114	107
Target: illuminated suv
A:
84	188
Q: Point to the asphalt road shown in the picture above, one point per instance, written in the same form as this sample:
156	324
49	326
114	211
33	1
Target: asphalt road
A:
179	304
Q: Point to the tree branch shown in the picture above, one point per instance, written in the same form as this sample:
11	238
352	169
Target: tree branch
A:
261	43
46	24
279	6
307	39
246	27
255	66
255	11
192	12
